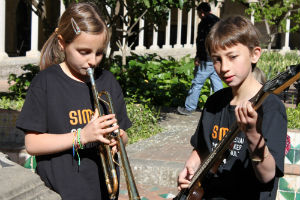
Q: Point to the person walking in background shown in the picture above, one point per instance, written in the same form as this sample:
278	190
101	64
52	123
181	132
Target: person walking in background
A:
203	64
57	118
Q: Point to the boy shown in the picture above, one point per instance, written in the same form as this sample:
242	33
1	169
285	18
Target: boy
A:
256	161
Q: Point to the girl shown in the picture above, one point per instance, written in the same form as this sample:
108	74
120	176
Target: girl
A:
57	114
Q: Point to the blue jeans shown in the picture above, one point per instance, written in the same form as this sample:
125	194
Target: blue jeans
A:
204	71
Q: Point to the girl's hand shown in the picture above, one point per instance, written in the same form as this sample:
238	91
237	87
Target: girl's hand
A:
113	143
97	128
246	117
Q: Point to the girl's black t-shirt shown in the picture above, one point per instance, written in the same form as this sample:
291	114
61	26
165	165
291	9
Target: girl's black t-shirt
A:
57	104
235	178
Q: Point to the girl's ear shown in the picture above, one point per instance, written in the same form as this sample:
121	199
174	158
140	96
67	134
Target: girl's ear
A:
256	53
61	43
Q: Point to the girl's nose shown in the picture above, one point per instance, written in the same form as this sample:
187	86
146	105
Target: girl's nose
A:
92	60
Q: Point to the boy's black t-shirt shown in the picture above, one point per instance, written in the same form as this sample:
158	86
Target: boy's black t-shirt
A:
57	104
235	178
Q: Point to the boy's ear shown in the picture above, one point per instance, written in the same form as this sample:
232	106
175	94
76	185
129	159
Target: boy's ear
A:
61	42
256	53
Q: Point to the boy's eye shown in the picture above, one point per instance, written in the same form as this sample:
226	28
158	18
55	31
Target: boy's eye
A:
215	59
233	57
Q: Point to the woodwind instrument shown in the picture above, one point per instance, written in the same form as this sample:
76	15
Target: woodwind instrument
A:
108	163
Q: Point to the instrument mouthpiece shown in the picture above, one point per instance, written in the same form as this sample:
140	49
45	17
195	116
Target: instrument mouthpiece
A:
90	71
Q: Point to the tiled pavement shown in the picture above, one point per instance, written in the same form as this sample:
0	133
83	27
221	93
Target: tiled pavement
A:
149	192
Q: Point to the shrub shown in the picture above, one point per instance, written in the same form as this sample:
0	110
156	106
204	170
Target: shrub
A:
293	115
150	79
21	83
144	121
272	63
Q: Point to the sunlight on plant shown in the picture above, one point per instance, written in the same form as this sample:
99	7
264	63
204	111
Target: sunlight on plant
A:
293	115
144	122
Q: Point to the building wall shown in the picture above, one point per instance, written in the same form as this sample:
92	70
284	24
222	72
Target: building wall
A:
18	27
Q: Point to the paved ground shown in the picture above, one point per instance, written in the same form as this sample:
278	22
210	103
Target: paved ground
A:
157	161
3	86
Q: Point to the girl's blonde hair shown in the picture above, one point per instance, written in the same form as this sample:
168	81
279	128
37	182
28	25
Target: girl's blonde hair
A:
86	17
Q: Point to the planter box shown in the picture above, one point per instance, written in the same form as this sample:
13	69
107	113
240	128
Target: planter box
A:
10	137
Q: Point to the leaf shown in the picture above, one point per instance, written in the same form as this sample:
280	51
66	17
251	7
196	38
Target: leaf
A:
181	4
147	3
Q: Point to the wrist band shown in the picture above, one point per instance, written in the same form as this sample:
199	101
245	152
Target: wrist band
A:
261	155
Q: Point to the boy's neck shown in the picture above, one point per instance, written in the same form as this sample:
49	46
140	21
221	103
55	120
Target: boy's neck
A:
245	91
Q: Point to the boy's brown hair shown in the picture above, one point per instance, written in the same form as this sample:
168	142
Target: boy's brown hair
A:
231	31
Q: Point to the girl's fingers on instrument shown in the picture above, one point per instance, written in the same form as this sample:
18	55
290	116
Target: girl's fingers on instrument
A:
122	132
110	129
107	123
95	115
113	142
105	118
104	140
114	150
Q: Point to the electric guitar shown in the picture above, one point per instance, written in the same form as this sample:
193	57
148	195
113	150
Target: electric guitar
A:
210	165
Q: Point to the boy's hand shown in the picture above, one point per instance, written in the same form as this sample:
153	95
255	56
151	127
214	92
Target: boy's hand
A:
246	117
189	170
185	176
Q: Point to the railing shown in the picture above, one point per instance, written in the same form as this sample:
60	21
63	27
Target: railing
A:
191	24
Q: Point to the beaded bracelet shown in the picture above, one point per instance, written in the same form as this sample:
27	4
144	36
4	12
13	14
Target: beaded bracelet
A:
79	138
77	143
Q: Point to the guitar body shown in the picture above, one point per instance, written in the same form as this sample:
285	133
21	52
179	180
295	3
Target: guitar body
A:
196	192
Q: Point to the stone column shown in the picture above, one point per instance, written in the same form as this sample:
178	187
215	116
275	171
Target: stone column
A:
3	54
189	30
125	27
154	45
62	7
141	36
108	48
196	21
179	27
252	12
218	7
168	32
287	34
34	52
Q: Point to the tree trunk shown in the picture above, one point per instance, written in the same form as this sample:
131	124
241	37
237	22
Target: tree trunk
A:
269	35
124	53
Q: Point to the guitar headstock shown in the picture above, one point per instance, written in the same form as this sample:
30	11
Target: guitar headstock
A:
283	80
